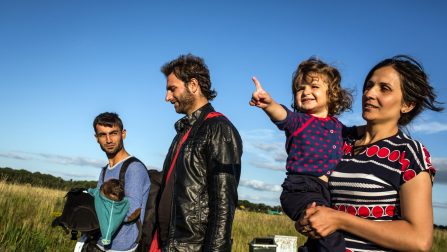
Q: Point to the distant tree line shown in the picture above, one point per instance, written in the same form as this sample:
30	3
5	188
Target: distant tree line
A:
42	180
49	181
253	207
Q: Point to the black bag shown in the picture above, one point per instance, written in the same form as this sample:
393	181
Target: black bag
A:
149	221
79	214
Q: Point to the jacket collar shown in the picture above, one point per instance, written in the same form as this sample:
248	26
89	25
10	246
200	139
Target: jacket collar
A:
189	120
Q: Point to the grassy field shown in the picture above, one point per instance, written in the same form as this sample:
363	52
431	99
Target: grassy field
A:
26	215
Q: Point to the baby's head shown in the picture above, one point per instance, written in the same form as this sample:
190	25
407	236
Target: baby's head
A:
313	76
113	189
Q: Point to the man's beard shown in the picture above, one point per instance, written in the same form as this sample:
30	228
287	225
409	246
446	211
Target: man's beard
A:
185	101
113	152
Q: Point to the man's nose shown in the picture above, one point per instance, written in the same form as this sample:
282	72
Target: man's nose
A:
168	96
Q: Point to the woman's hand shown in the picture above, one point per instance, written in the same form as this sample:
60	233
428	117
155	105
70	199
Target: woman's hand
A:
318	221
302	225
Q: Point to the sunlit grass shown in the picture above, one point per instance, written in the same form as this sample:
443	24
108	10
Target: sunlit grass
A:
26	214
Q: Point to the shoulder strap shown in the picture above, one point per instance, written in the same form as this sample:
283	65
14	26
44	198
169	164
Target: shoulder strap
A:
103	173
122	170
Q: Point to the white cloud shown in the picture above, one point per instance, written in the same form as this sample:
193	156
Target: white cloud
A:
13	155
54	158
268	165
260	185
265	149
442	205
440	165
428	127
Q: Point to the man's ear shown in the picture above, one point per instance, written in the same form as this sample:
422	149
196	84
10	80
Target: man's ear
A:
193	85
407	107
123	133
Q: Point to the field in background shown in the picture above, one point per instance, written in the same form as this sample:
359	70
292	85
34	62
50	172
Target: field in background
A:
26	215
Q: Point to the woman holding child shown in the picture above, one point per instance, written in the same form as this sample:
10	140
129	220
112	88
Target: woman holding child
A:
381	190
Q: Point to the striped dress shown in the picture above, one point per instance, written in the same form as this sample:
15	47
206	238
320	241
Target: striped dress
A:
367	184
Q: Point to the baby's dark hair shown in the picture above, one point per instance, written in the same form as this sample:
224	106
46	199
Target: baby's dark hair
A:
339	99
113	189
416	89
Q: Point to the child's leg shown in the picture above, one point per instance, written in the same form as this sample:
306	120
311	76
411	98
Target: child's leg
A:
334	242
294	195
301	190
317	191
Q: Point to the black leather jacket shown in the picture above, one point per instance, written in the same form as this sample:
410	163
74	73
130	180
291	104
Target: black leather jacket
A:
206	176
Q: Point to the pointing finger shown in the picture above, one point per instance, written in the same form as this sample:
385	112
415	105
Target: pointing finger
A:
257	84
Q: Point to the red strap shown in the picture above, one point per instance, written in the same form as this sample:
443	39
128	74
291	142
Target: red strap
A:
174	160
213	114
155	247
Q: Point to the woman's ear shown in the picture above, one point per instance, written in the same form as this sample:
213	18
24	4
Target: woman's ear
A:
407	107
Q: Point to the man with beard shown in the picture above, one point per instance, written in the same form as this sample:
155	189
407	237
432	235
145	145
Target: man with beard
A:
202	168
109	133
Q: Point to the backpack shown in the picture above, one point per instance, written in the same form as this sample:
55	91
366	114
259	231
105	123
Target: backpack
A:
79	213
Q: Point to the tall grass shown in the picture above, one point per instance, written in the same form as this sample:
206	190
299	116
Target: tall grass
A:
249	225
26	216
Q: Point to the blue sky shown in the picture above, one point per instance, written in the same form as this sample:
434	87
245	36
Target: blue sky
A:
64	62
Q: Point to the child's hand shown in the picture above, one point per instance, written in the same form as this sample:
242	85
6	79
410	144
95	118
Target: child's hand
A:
260	98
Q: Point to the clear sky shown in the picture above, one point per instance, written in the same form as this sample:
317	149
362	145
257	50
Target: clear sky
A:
64	62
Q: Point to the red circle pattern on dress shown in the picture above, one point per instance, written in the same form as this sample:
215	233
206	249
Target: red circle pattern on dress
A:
364	211
409	174
377	211
371	151
394	156
383	152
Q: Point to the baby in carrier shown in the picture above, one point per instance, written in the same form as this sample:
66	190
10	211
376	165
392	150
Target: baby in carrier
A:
113	189
111	208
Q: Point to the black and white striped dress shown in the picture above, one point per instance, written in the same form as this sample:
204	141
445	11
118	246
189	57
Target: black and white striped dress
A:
367	184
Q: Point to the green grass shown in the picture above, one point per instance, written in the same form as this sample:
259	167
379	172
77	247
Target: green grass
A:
26	214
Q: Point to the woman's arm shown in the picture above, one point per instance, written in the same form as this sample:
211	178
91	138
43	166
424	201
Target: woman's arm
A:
413	233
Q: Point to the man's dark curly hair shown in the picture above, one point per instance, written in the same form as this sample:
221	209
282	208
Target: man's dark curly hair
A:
187	67
108	119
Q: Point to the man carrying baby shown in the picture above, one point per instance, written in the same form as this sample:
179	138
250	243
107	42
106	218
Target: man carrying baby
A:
110	135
